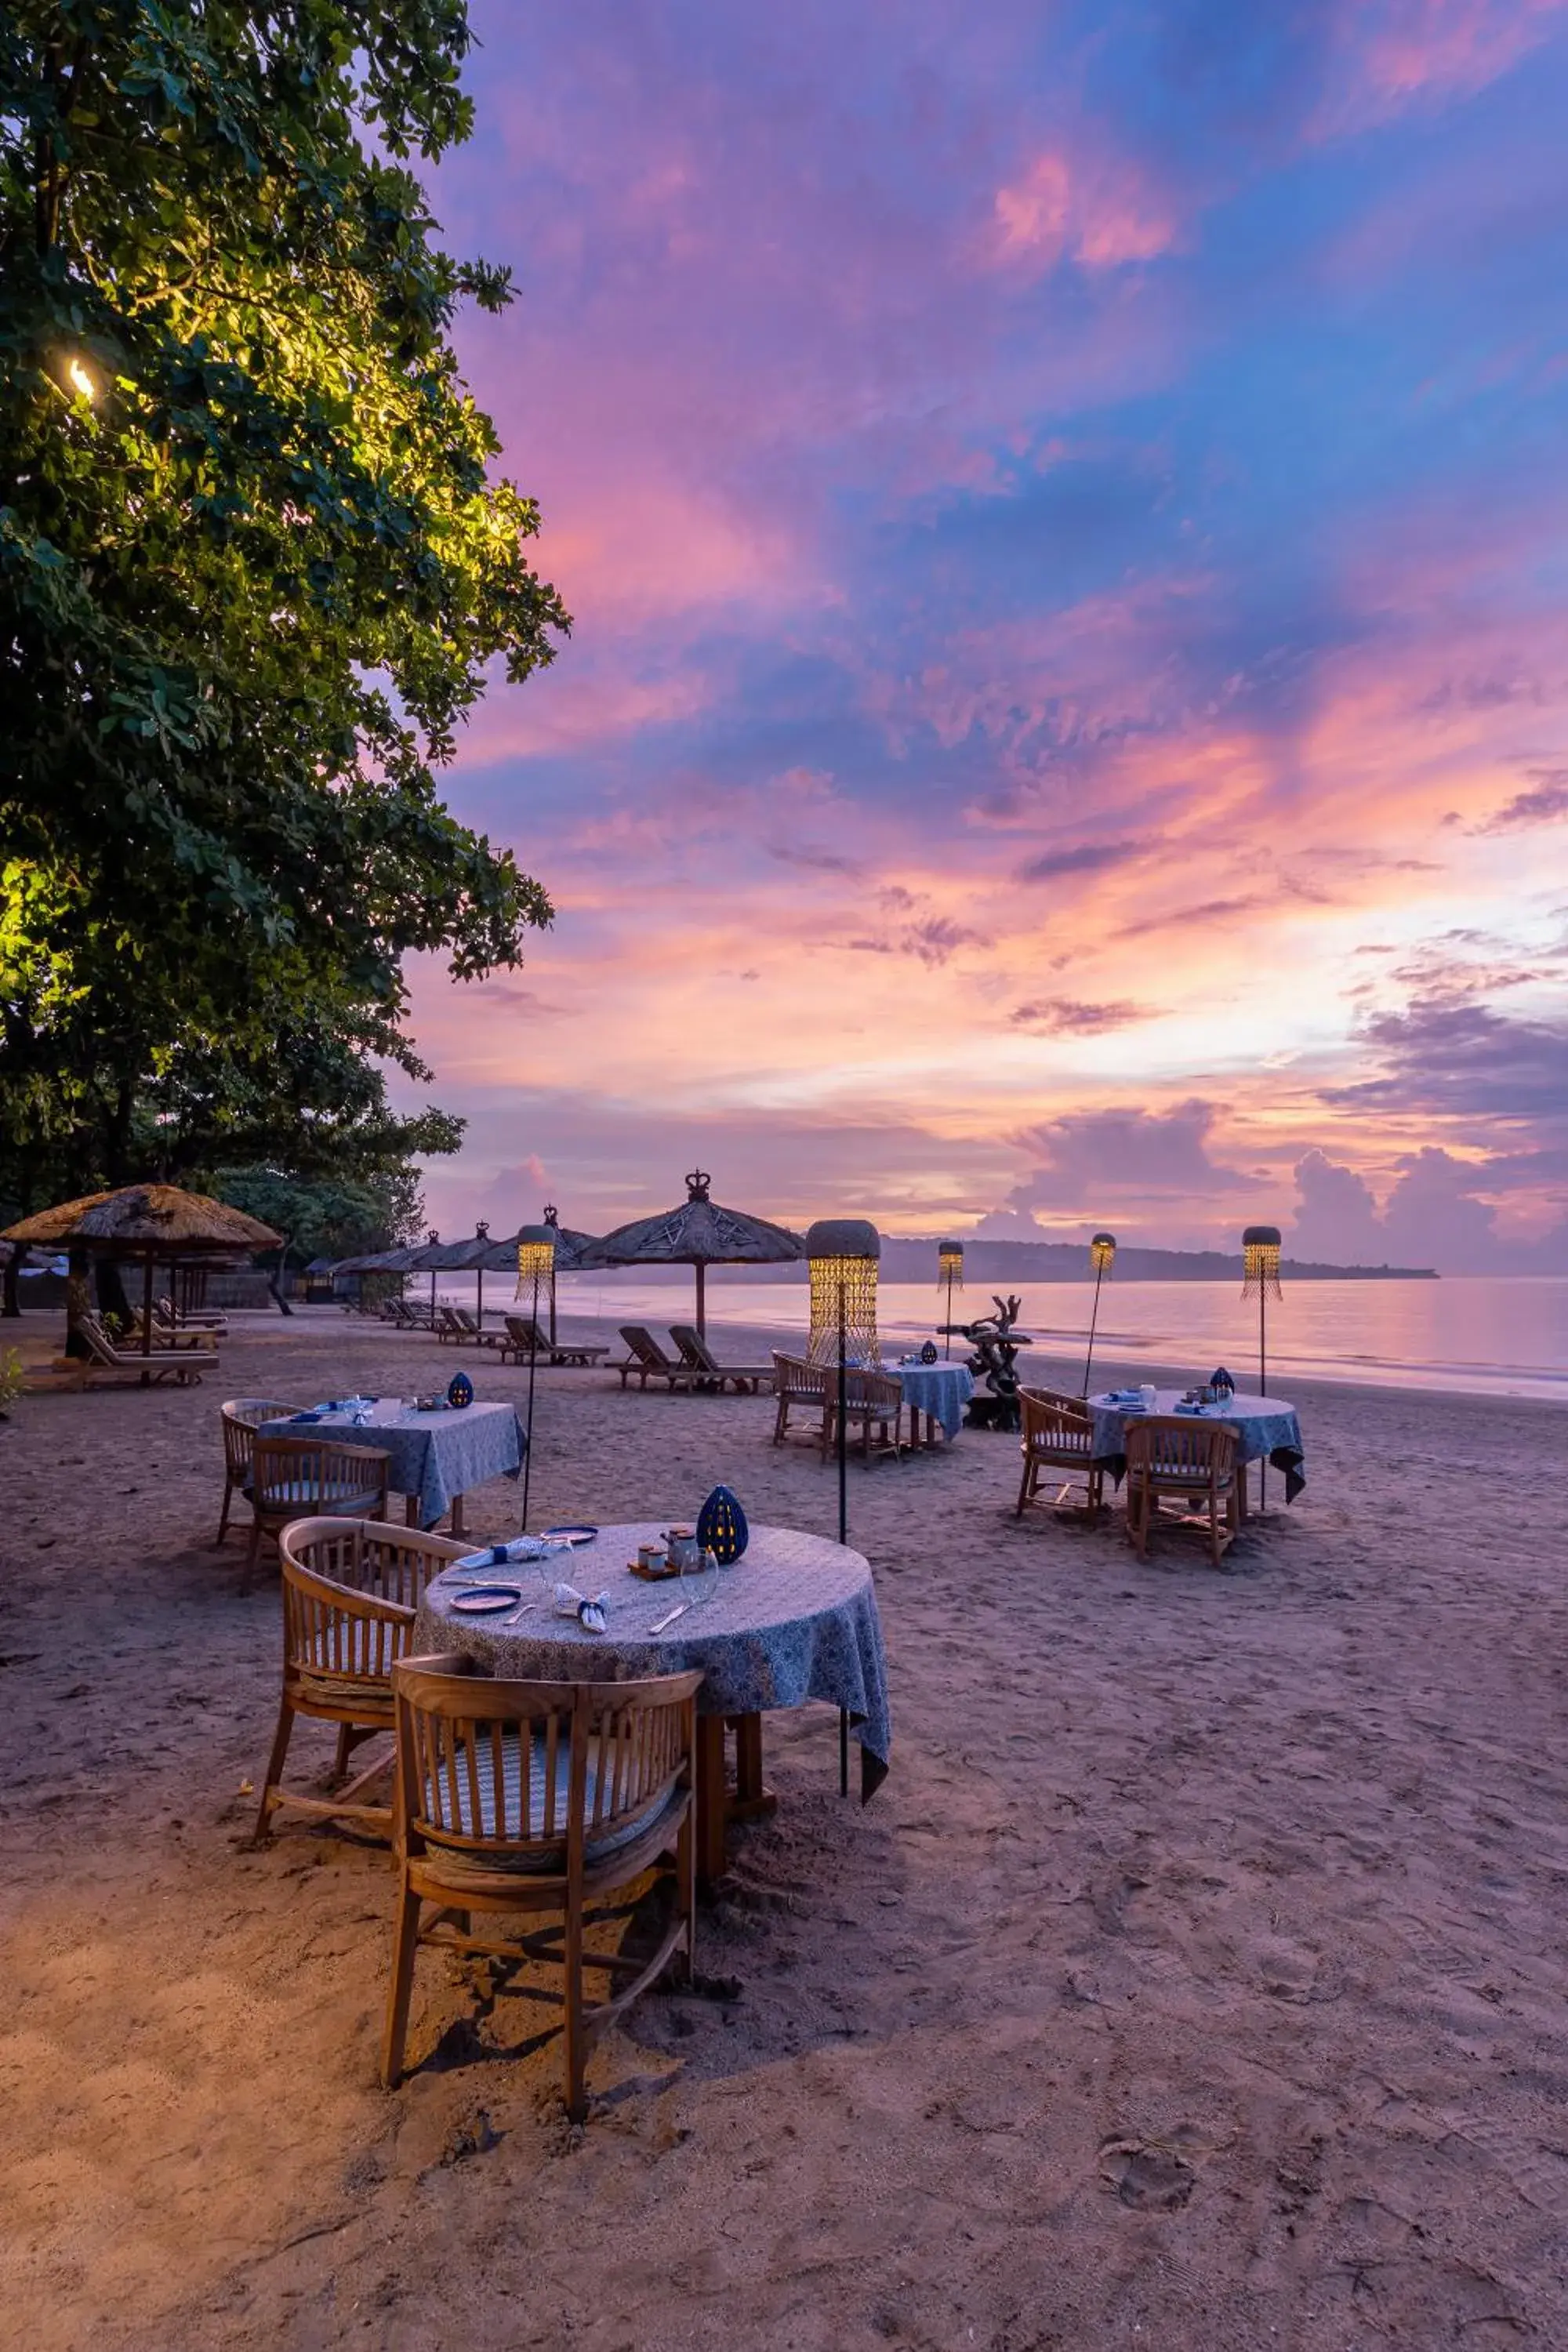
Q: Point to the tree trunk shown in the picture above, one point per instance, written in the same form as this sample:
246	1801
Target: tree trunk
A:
111	1297
10	1285
275	1280
78	1299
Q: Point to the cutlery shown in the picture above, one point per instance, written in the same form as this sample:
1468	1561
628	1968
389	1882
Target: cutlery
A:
662	1623
516	1614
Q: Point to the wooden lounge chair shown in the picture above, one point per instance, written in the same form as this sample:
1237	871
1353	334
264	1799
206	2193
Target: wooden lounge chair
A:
1058	1435
185	1365
710	1374
524	1339
296	1475
350	1592
1176	1460
190	1318
648	1359
521	1797
801	1387
240	1418
448	1330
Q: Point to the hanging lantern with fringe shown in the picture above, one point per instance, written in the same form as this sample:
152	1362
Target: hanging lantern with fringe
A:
949	1277
1260	1261
843	1254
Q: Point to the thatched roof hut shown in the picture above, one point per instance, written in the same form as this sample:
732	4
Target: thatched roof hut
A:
147	1220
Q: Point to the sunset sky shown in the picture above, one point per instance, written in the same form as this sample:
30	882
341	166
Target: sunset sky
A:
1065	511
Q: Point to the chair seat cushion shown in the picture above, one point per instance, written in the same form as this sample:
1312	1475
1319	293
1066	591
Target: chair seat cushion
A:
544	1856
363	1693
302	1494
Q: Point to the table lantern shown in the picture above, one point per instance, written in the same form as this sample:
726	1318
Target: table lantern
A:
928	1351
1222	1383
721	1527
459	1392
1101	1258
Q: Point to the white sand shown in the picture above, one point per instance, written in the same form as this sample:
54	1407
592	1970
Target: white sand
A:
1197	1979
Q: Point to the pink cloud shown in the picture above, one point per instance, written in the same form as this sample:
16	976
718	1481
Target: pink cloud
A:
1100	215
1393	53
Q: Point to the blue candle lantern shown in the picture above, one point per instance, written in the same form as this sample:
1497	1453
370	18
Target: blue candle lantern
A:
459	1392
721	1527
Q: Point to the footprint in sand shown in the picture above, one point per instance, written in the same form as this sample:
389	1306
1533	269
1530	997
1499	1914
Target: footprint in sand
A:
1146	2174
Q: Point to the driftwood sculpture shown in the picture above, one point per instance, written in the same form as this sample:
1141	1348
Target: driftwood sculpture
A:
995	1340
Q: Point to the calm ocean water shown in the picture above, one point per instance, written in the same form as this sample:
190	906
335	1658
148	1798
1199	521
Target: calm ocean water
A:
1482	1334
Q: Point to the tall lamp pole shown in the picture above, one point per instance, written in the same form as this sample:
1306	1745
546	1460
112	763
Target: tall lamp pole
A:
1260	1273
843	1253
949	1273
535	1264
1101	1258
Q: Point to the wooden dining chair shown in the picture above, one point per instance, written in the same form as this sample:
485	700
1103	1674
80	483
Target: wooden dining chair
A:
299	1476
873	1404
528	1798
1057	1435
241	1418
350	1588
1188	1467
800	1387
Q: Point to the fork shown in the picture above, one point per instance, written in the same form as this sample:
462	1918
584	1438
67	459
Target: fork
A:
661	1624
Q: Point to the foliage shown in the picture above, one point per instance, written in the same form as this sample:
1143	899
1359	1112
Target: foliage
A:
323	1218
11	1378
253	570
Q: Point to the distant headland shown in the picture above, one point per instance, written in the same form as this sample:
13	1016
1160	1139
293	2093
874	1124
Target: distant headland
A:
911	1260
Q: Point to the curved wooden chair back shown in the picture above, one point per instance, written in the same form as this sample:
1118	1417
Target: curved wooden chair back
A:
798	1383
1179	1450
240	1418
350	1588
604	1755
1057	1434
302	1475
1193	1463
518	1796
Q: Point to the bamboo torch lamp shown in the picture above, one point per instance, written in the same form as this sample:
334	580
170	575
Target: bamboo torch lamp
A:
1260	1275
535	1264
949	1277
843	1253
1101	1258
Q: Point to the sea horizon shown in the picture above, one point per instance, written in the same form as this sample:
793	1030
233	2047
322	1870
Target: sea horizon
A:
1483	1335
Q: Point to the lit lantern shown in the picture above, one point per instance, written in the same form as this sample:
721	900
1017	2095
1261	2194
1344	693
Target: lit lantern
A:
843	1254
535	1258
949	1277
1261	1278
721	1527
535	1264
1101	1258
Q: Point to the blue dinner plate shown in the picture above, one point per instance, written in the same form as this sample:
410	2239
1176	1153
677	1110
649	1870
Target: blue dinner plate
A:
570	1535
480	1599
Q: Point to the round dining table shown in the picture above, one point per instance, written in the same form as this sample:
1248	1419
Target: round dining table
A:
1266	1430
793	1619
940	1392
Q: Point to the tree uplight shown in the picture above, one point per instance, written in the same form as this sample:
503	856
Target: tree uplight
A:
81	379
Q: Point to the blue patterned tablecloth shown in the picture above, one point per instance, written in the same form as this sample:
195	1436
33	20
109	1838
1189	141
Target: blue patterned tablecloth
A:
435	1456
795	1619
1267	1428
940	1389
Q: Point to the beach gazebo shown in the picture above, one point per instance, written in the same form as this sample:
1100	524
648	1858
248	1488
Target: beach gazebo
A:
152	1223
699	1233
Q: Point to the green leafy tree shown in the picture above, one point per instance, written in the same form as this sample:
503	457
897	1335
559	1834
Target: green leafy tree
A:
255	566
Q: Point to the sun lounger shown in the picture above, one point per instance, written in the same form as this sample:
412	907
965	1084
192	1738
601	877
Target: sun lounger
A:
710	1372
524	1339
185	1365
648	1359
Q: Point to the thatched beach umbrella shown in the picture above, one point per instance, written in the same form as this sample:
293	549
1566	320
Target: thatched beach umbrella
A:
150	1222
699	1233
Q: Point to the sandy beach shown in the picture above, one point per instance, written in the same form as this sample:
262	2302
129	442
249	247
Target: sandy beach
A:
1197	1978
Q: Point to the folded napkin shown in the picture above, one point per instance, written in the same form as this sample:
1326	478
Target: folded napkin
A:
1124	1396
590	1614
312	1413
1199	1410
500	1555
